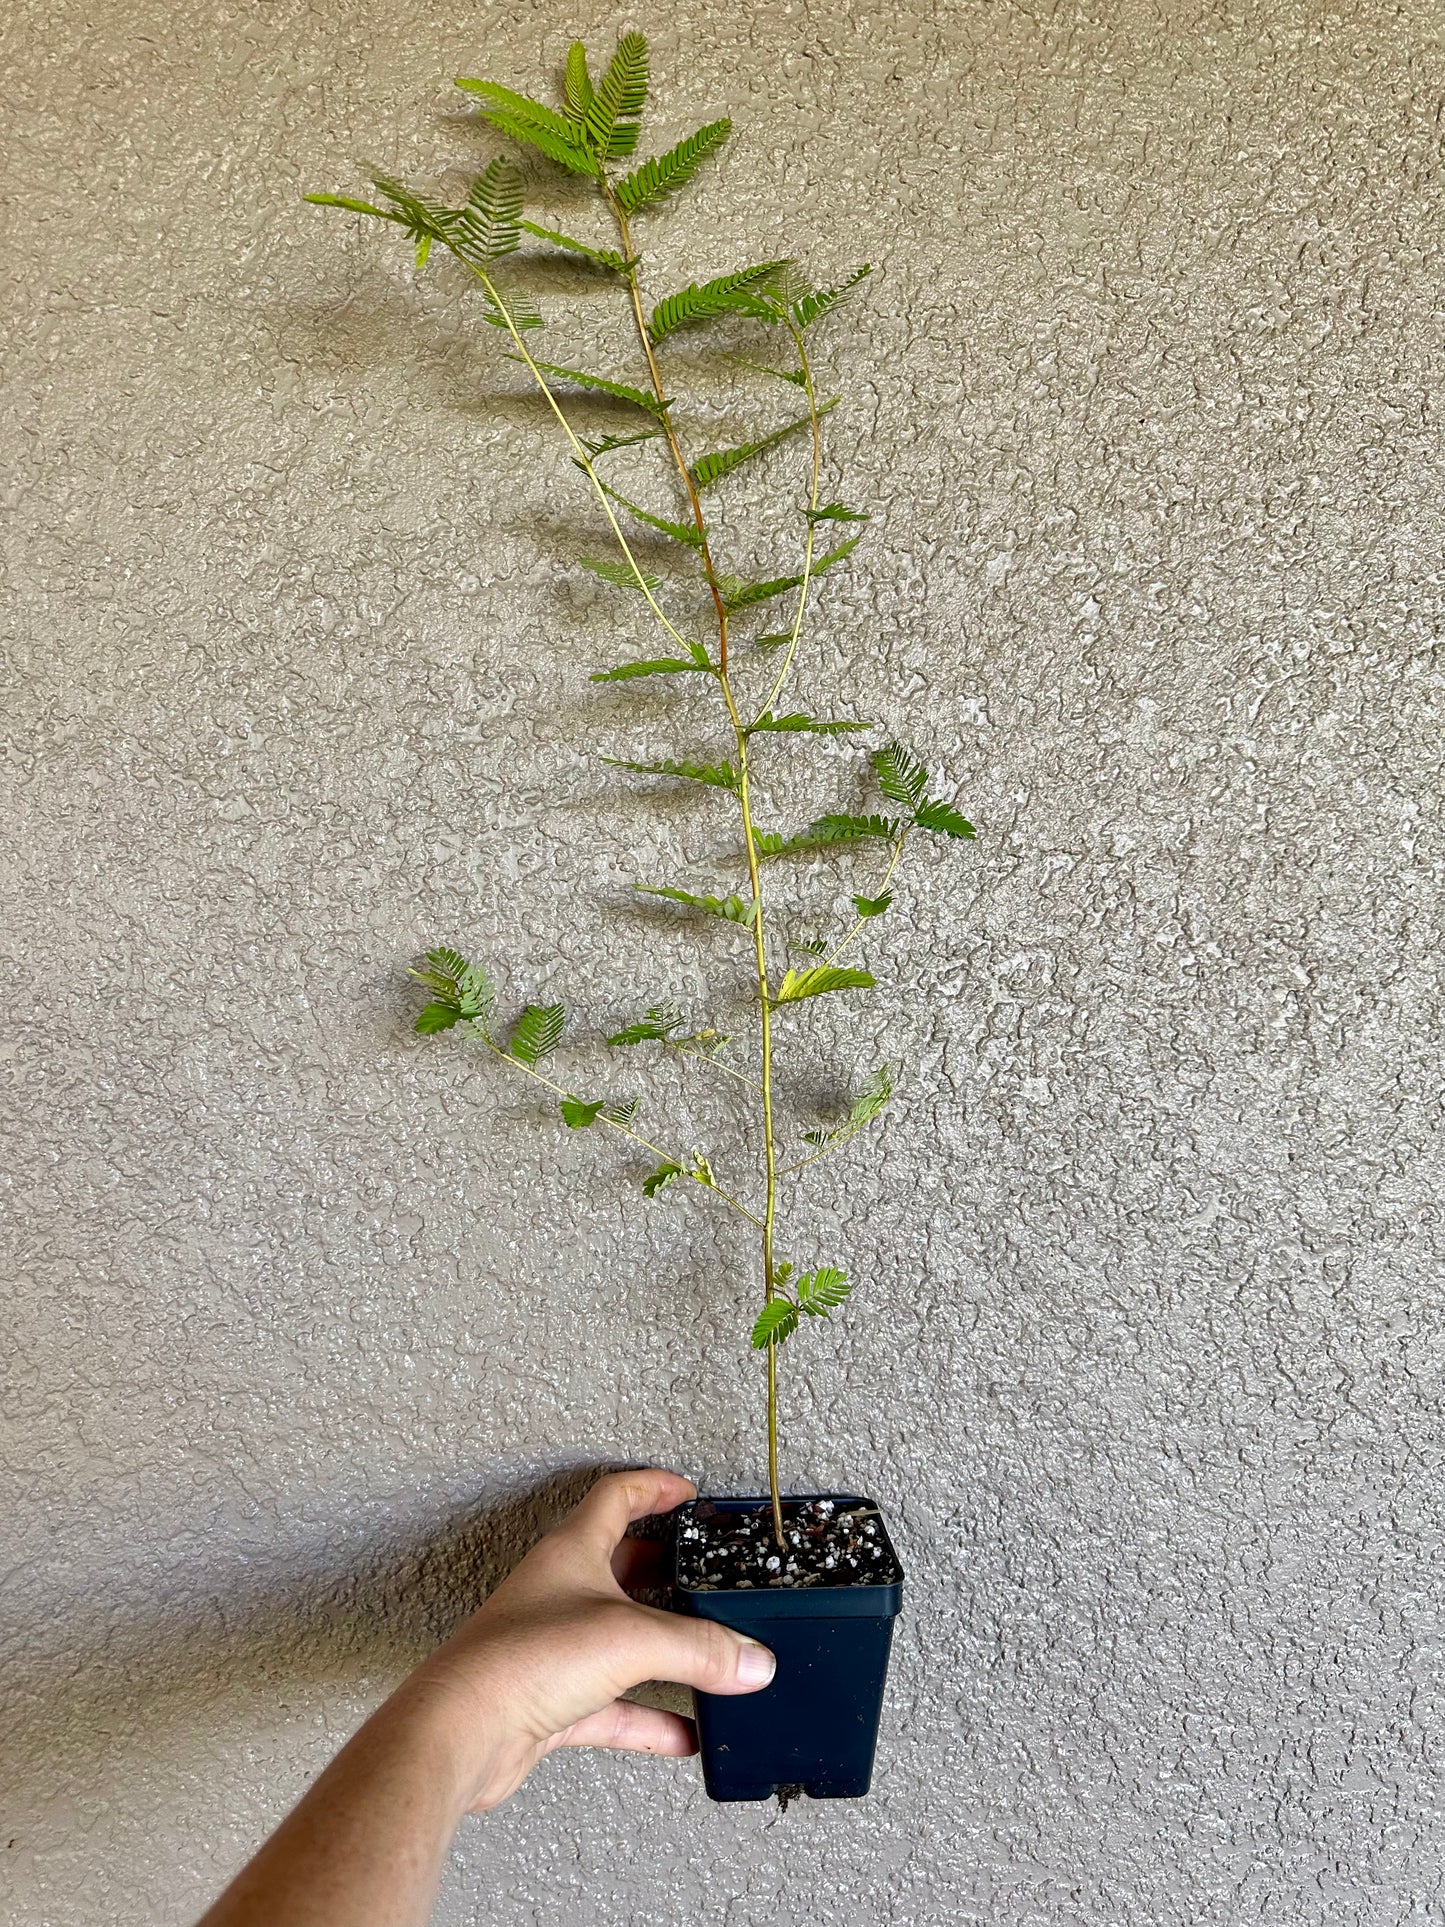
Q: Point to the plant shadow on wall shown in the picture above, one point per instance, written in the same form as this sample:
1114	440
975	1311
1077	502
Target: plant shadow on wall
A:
728	625
236	1637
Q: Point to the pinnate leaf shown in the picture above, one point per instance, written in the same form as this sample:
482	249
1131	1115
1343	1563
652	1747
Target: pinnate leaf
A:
722	461
655	666
735	909
604	257
664	1174
901	777
614	112
718	776
578	1113
604	385
621	573
814	983
944	819
655	1027
726	293
873	906
830	830
797	723
775	1323
656	179
537	1032
821	1291
437	1016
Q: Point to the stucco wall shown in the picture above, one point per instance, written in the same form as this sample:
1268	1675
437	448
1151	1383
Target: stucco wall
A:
306	1314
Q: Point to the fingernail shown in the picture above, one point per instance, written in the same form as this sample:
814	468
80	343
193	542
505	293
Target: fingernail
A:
756	1664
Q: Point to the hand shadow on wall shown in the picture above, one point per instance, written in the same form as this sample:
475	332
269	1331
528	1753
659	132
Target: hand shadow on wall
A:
234	1646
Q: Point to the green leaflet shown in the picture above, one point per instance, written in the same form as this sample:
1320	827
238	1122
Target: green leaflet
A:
726	293
623	1114
622	573
875	1094
604	257
529	121
614	113
901	777
796	723
815	983
487	227
356	207
829	830
944	819
873	906
712	468
658	666
537	1031
743	595
719	776
735	909
656	179
821	1291
664	1174
779	641
460	991
578	1113
605	444
653	1028
775	1323
577	85
802	305
835	511
619	390
510	309
811	946
690	537
769	842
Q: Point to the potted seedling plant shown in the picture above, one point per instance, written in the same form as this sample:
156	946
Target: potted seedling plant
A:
813	1576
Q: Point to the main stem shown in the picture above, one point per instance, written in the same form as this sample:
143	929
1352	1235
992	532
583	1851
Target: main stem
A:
740	733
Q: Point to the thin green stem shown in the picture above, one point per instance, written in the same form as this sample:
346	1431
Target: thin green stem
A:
728	1070
740	733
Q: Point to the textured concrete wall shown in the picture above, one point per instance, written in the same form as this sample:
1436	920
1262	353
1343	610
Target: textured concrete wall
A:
311	1324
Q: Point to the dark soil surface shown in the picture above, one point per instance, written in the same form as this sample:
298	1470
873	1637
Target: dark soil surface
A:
830	1542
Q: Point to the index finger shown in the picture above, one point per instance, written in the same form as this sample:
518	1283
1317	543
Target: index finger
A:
621	1498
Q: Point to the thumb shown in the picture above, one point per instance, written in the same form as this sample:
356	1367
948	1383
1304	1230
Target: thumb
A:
701	1653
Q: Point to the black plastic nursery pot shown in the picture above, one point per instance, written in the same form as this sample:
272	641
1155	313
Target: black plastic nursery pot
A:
815	1726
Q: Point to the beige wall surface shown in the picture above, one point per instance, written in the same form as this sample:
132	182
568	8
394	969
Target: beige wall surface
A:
310	1321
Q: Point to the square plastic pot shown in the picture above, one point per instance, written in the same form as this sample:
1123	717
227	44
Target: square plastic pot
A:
815	1726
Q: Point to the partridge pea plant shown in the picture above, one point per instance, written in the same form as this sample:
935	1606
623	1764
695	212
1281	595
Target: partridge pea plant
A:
706	620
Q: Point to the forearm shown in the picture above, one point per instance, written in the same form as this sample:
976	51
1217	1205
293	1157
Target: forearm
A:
365	1847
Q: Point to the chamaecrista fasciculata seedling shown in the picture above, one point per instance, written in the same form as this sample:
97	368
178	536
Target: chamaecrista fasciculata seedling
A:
706	619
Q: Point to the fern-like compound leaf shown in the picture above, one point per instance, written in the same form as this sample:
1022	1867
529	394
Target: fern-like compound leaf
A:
656	666
835	512
727	293
664	1174
464	991
811	306
578	1113
796	724
901	777
622	573
775	1323
944	820
744	595
537	1032
722	461
437	1016
743	910
799	984
821	1291
356	207
619	390
614	113
690	537
597	446
873	906
839	828
655	1027
577	85
623	1115
877	1091
511	309
561	139
718	776
662	176
604	257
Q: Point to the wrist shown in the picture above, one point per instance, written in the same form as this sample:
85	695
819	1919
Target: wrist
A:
463	1715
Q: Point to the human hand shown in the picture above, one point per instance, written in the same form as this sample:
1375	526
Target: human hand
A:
543	1662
